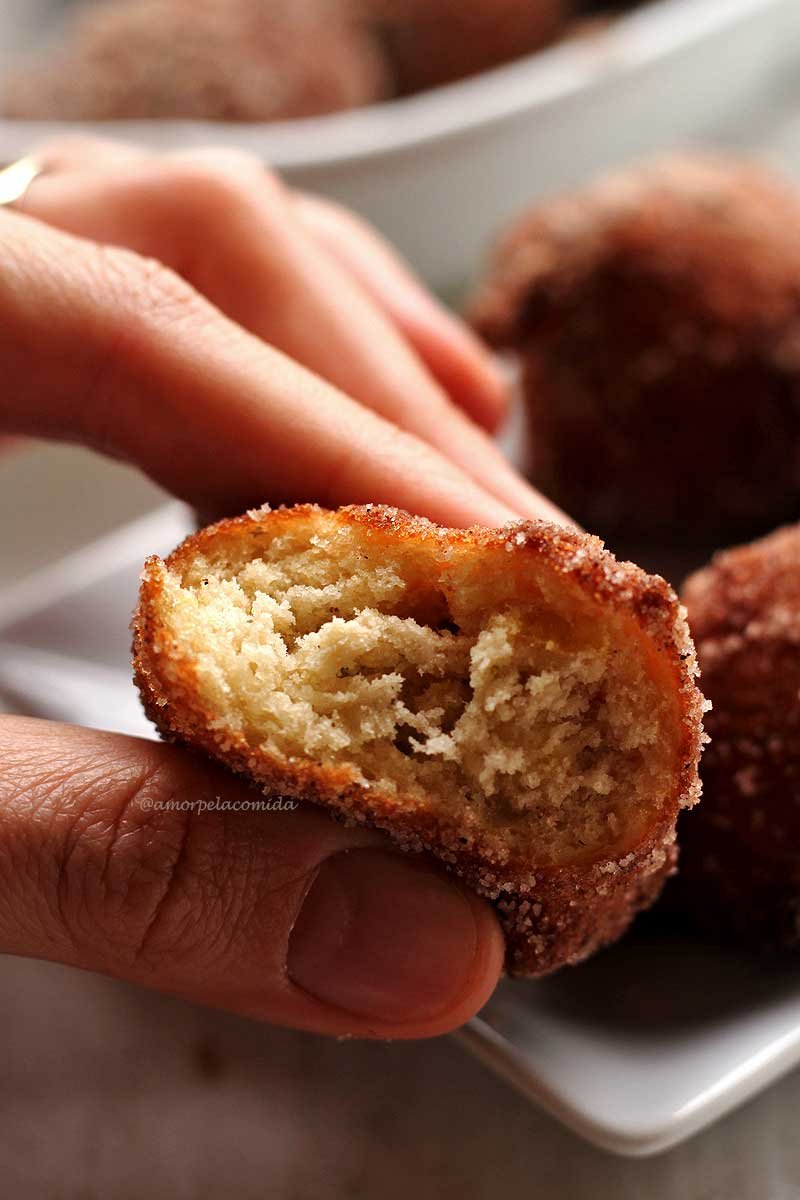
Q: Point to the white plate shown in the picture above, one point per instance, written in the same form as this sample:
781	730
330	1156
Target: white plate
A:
441	172
635	1050
648	1042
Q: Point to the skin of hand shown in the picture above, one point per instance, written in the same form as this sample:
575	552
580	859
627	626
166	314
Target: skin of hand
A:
141	860
305	276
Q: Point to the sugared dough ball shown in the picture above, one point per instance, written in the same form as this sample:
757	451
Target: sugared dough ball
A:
432	42
235	60
740	849
656	318
514	701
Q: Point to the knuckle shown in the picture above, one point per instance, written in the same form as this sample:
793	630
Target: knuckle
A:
181	915
117	861
70	150
208	189
160	884
85	842
205	187
131	862
215	159
213	206
144	285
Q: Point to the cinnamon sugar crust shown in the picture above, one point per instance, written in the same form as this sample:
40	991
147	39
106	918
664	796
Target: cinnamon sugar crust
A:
514	701
655	318
740	852
232	60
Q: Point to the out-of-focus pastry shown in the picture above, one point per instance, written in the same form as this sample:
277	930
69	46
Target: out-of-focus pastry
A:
431	42
656	319
235	60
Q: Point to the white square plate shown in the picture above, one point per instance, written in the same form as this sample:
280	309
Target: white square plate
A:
635	1050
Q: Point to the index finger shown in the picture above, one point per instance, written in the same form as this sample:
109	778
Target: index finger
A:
101	346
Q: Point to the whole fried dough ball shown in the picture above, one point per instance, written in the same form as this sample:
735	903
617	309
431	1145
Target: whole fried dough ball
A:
740	850
235	60
655	317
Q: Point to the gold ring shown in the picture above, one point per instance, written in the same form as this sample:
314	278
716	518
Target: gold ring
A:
17	178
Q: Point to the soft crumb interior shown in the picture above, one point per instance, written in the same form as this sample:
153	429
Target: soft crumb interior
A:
544	730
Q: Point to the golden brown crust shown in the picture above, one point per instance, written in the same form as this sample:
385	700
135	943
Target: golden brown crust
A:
551	915
740	853
656	320
725	230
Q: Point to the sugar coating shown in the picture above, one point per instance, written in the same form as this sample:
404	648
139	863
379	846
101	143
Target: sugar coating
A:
319	647
235	60
529	715
741	850
647	312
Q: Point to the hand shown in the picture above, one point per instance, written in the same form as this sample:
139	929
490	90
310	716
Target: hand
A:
303	275
283	916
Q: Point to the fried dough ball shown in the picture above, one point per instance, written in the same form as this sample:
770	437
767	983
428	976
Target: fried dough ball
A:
235	60
740	851
432	42
514	701
656	319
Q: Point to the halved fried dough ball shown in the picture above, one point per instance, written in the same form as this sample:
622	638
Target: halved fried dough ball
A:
431	42
235	60
740	851
514	701
656	320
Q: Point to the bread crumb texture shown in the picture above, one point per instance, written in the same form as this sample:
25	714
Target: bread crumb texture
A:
515	700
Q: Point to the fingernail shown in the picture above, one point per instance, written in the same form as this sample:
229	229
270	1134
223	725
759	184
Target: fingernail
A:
385	937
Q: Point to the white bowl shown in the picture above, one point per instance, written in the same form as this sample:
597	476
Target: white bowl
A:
440	172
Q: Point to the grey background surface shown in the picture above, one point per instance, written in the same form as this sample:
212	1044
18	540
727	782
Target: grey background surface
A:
111	1092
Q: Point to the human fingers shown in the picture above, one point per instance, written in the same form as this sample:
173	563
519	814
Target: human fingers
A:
105	347
453	355
231	230
142	862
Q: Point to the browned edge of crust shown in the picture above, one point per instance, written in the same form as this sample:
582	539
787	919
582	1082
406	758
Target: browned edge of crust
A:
741	851
552	916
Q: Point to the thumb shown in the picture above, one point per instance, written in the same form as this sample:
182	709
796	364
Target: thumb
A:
140	861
